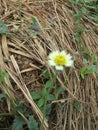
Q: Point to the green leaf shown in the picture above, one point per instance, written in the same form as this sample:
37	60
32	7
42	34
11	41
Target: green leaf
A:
92	56
85	61
48	110
40	102
35	95
48	84
95	16
34	33
2	75
78	38
83	72
51	97
77	105
3	28
84	10
78	21
33	125
2	95
88	70
46	74
59	90
82	75
18	123
78	17
53	77
35	24
44	92
21	108
80	30
93	68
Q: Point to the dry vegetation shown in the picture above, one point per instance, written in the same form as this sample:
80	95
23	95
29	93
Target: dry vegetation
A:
26	55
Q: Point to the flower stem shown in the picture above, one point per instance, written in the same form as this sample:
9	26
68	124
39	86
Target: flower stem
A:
45	104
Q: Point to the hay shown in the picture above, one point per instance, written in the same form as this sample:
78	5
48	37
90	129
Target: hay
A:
57	33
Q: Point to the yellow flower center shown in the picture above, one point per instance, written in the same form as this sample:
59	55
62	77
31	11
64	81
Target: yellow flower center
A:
60	60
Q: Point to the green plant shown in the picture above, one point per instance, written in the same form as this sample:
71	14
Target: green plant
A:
57	90
77	17
45	97
91	56
78	28
88	8
3	74
19	121
35	23
33	124
2	95
35	28
78	106
3	28
88	70
41	97
78	33
88	55
20	108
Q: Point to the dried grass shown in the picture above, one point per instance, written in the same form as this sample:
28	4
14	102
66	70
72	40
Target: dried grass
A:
58	31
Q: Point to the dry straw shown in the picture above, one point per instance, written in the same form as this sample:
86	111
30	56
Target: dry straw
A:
58	29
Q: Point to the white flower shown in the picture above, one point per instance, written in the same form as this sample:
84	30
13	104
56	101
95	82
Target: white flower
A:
60	59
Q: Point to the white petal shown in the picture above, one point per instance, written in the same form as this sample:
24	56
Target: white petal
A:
53	54
63	53
51	62
69	63
68	56
59	67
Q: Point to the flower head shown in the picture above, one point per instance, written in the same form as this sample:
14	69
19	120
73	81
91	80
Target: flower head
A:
60	59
